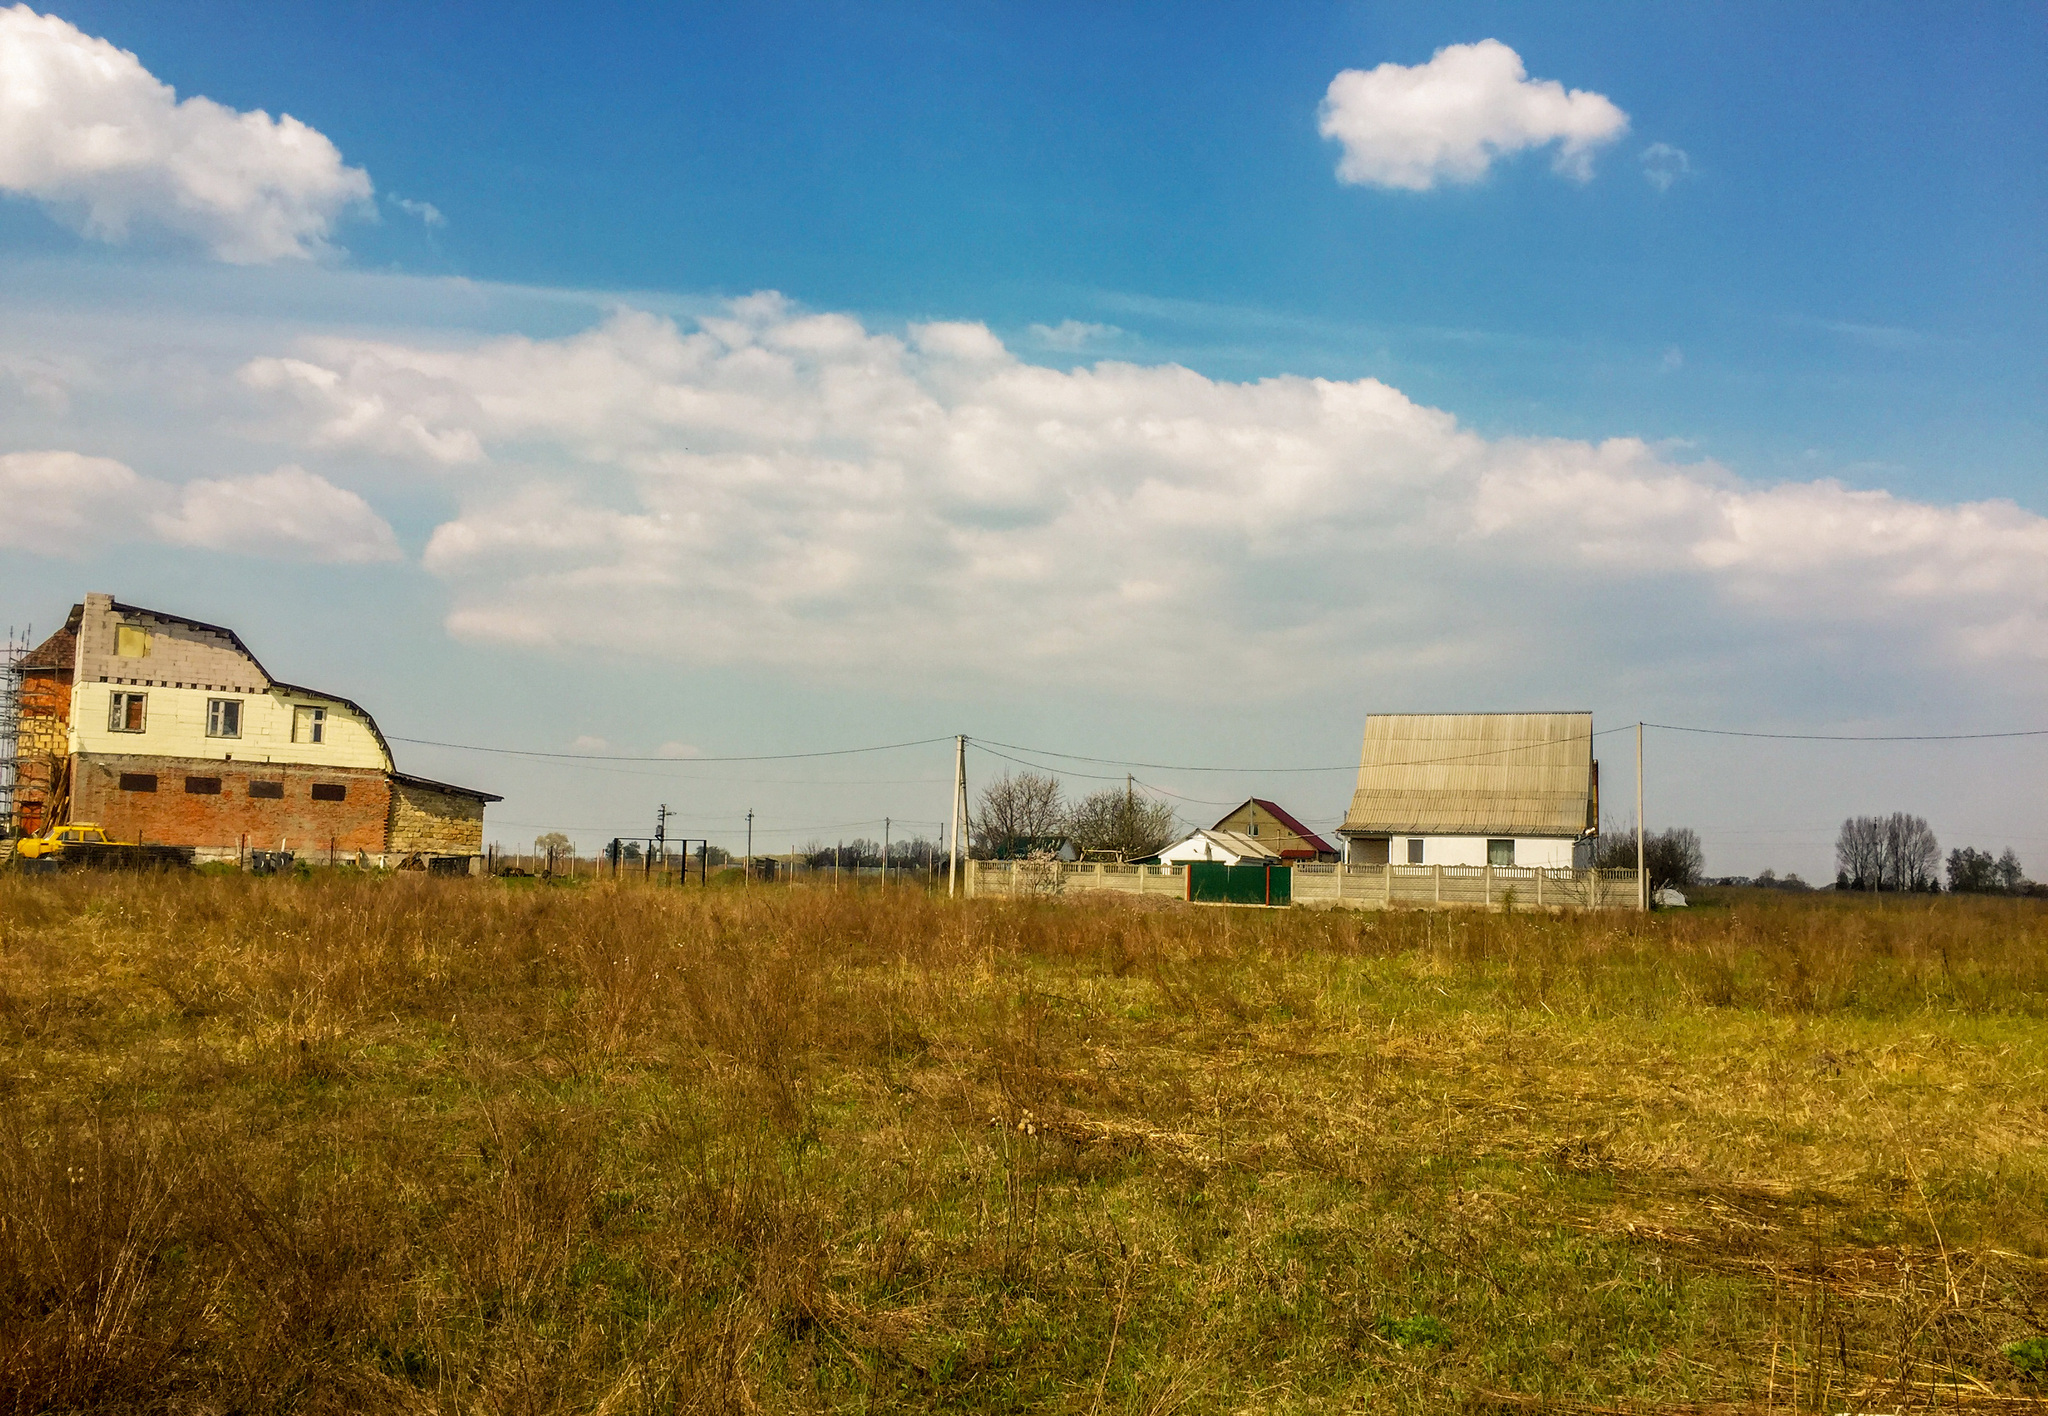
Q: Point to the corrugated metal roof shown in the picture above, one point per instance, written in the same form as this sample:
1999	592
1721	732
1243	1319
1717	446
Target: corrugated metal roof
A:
1476	774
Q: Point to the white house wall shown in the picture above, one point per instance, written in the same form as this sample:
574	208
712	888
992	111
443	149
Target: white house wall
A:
182	667
174	725
1553	852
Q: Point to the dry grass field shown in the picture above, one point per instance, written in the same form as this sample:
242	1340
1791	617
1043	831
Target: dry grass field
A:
404	1144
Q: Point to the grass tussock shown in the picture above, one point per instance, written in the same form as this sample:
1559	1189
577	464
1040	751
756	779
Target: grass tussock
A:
420	1145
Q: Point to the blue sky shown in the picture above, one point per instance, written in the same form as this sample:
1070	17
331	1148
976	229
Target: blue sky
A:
1801	250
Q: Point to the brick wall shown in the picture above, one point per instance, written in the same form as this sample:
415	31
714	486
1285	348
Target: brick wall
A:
171	815
435	822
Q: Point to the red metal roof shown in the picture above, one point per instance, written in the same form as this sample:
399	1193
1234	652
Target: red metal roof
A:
1280	815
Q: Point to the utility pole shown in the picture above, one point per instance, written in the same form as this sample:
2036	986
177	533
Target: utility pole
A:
1129	835
885	852
1642	875
959	806
747	875
661	837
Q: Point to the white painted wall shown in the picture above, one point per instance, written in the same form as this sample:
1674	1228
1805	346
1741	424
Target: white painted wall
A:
175	726
1550	852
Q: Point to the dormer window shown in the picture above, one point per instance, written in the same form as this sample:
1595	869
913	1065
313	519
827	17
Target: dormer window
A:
309	724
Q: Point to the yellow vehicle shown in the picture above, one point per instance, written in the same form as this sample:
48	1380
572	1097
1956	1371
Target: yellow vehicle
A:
85	843
53	841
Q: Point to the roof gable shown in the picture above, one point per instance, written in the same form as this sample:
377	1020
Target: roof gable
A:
1286	821
1475	774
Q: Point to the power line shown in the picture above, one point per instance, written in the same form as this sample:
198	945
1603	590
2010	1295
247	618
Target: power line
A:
678	761
1850	737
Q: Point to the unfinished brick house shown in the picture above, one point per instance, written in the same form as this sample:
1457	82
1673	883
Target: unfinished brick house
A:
167	730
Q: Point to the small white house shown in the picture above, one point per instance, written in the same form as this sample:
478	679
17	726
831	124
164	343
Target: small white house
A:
1222	847
1475	789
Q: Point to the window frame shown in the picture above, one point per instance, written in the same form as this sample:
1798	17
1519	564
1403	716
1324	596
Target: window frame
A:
218	709
122	704
1415	850
315	721
126	634
1500	846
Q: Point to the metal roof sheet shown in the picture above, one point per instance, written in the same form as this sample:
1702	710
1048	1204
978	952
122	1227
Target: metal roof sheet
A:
1491	774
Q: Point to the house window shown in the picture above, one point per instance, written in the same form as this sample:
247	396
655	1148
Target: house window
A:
1255	828
125	712
138	781
329	791
130	641
267	791
309	724
1500	852
224	717
202	786
1414	851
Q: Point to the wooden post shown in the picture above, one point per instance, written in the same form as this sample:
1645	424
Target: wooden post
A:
1387	875
1438	879
1487	888
1541	873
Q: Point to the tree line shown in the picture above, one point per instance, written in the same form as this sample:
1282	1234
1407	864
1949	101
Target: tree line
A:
1900	853
1026	814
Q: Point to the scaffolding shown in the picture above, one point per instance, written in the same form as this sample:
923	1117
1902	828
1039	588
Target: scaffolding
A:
11	654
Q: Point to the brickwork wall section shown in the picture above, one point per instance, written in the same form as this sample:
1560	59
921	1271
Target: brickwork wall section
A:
434	822
171	815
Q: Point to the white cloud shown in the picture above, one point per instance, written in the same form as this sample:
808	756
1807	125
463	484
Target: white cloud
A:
289	514
89	132
68	504
1664	164
427	213
773	486
679	749
589	743
1447	120
1073	334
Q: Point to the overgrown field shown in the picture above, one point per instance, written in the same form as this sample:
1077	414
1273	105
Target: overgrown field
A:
405	1144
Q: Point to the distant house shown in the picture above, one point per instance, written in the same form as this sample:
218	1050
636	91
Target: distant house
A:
1267	824
1227	847
1475	789
1060	848
168	730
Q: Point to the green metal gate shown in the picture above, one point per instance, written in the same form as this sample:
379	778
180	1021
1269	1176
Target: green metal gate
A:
1214	883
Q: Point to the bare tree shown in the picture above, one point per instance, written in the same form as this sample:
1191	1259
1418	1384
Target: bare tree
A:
1670	857
1129	825
1016	812
1896	852
1859	853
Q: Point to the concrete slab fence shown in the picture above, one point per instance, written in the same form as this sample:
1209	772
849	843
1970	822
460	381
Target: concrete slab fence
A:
1334	886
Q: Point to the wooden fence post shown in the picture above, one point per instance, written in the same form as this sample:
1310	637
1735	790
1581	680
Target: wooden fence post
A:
1439	881
1486	889
1388	868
